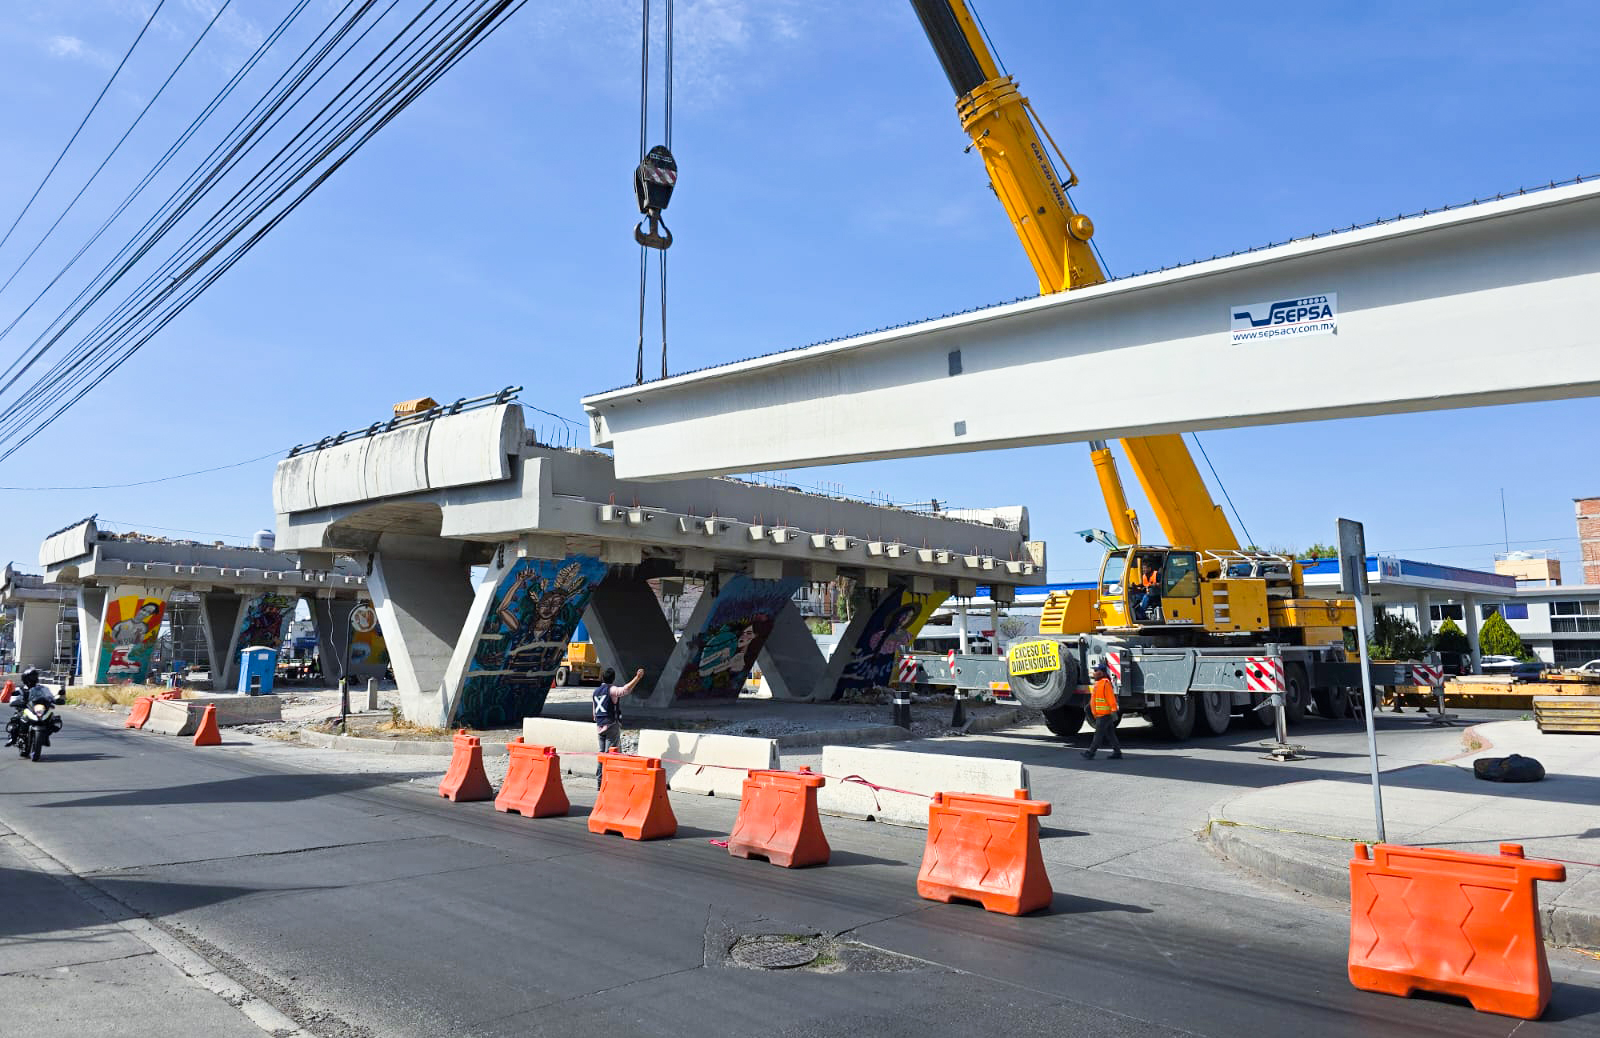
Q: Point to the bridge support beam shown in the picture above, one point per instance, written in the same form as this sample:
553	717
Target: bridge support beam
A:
629	629
730	626
423	598
883	624
331	618
36	635
791	663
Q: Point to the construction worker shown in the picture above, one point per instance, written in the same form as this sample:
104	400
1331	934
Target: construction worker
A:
608	713
1103	707
1148	589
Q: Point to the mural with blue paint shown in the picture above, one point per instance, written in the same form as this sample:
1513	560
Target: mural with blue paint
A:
888	635
535	609
726	648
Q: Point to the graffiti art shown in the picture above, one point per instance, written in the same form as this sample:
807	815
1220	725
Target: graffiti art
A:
367	647
888	633
741	620
265	617
128	638
536	606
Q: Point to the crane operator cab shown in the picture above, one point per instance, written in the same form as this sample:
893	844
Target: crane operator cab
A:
1145	586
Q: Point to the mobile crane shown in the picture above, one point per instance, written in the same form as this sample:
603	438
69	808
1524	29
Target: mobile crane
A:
1198	628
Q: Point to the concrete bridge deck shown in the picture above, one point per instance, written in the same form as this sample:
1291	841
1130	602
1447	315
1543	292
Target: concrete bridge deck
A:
561	538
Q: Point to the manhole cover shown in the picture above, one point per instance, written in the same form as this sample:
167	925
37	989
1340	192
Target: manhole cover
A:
769	953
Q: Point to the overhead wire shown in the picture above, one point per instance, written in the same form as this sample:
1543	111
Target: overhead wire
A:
446	47
83	122
117	146
160	479
1223	487
194	125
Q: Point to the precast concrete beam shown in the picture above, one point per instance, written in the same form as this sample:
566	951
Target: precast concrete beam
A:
1421	314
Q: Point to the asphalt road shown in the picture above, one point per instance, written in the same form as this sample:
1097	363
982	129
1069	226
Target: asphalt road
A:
364	904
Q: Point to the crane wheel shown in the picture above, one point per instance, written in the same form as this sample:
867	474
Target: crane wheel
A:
1065	721
1047	690
1174	717
1295	697
563	677
1216	710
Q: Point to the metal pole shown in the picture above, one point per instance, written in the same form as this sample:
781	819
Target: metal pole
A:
1372	733
344	704
961	613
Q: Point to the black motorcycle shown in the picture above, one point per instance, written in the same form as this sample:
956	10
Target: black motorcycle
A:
32	723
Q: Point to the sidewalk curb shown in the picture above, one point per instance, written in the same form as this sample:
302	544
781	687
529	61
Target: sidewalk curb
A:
1564	926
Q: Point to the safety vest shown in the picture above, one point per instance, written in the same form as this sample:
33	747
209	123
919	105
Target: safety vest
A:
607	711
1103	701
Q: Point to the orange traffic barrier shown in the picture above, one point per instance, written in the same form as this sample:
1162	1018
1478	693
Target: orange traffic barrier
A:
6	690
778	819
465	778
533	782
170	693
1424	919
207	734
633	798
139	714
985	849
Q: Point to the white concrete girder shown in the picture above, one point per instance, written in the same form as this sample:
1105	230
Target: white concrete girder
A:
1428	310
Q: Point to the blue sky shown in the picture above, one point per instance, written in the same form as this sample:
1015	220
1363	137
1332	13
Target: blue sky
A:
484	239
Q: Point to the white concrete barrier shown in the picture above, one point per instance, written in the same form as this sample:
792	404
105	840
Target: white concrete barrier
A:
170	717
925	773
182	716
709	760
568	738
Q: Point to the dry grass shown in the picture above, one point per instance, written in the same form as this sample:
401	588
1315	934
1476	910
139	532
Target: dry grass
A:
109	696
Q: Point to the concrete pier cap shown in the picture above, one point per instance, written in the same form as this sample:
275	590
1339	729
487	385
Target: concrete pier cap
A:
123	584
559	538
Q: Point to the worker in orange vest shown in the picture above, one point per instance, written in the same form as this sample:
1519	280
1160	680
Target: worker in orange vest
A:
1103	707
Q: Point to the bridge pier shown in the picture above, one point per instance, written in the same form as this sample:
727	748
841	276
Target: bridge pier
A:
725	635
883	624
629	629
331	618
423	595
36	634
791	663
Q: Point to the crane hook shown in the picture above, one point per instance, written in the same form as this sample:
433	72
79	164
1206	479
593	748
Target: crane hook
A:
653	181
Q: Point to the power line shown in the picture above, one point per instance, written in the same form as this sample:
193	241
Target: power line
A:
117	146
98	98
162	479
164	295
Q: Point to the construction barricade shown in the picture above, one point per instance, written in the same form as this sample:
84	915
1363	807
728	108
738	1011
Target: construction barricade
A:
633	798
6	690
533	782
208	734
465	778
985	849
778	819
1424	919
139	714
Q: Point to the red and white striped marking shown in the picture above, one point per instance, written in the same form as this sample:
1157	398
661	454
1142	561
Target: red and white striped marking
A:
908	669
1114	667
1425	674
1263	674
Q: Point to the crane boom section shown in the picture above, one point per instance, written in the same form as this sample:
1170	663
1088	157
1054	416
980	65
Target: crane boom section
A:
1056	238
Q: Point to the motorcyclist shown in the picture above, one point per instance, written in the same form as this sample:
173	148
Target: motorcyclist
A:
31	692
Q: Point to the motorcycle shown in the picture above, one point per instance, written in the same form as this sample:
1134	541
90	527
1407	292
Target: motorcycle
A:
32	724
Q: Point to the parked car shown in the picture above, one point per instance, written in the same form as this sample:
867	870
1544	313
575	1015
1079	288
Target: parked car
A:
1527	671
1496	664
1591	668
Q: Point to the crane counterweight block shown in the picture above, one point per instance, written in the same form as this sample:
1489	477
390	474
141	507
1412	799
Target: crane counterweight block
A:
653	180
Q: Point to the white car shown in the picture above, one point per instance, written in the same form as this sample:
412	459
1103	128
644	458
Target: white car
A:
1491	664
1592	667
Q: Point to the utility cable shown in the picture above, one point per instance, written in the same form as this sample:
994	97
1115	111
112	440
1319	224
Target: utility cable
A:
162	479
161	164
1223	487
98	98
448	48
117	146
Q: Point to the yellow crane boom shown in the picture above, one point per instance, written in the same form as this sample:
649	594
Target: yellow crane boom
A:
1016	152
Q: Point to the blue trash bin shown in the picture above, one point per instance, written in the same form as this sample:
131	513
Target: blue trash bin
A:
257	666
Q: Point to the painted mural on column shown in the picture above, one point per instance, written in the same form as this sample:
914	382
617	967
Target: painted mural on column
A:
536	606
887	635
741	621
265	617
367	647
129	635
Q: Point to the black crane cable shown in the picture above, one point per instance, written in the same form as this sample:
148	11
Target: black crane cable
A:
117	146
84	122
644	147
449	46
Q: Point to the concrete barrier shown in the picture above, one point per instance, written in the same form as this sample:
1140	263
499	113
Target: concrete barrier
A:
568	738
699	752
925	773
171	717
182	716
